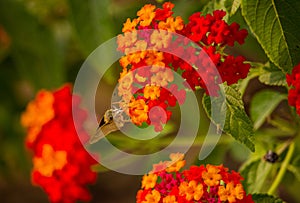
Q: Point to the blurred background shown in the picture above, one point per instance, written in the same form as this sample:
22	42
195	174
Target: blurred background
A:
43	45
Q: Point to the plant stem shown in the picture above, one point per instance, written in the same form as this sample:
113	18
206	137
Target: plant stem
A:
282	170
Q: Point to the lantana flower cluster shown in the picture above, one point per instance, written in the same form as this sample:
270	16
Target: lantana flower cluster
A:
293	81
61	165
148	65
166	183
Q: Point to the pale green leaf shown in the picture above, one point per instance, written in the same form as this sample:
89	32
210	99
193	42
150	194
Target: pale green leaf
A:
232	6
295	170
255	175
276	27
215	5
271	75
263	104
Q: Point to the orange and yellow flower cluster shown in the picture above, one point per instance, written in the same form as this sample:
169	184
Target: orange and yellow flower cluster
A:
61	165
205	184
154	52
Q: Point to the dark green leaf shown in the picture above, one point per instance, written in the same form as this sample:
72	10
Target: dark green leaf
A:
276	26
263	104
237	123
265	198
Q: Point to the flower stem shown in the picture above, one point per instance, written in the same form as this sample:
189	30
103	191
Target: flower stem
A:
282	170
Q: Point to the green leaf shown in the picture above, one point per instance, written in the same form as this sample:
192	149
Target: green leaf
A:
255	175
92	22
285	126
36	54
254	72
215	5
265	198
263	104
232	6
276	27
237	123
271	75
295	170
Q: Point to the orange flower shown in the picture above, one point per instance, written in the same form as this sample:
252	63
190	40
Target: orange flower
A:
177	162
170	199
155	57
149	181
125	85
191	190
151	92
160	39
138	110
126	40
130	25
163	77
152	197
38	112
139	46
172	24
231	193
211	177
50	161
146	14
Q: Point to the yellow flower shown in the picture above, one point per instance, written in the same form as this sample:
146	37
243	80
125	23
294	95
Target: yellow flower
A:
146	14
211	177
231	193
149	181
191	190
50	161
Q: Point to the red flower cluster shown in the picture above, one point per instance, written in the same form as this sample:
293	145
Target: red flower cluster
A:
149	67
293	81
61	165
206	184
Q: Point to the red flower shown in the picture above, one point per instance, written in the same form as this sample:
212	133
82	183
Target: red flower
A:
202	63
198	184
62	167
293	81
